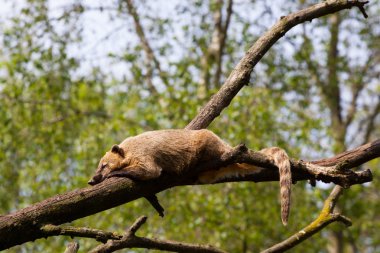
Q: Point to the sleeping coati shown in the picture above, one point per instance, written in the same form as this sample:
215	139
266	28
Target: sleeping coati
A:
146	156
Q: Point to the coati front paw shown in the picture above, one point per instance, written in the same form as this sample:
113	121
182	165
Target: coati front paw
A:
118	173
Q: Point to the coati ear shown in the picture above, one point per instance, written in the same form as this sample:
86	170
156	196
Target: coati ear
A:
118	150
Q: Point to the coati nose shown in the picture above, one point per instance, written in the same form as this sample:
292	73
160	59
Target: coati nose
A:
95	179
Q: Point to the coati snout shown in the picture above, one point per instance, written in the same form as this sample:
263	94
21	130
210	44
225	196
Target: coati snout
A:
112	161
95	179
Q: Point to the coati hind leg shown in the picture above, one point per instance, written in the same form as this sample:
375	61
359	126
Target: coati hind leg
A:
231	167
235	170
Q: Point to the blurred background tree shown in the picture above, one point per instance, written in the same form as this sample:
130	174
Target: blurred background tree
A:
79	76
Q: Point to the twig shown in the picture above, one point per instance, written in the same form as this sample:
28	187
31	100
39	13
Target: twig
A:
99	235
362	10
326	217
130	240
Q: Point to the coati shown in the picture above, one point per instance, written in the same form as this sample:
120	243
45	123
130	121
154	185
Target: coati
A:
174	152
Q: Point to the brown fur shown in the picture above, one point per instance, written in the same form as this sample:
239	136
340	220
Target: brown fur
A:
175	152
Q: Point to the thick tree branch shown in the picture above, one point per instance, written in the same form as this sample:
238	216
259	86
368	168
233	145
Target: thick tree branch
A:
354	157
130	240
241	74
326	217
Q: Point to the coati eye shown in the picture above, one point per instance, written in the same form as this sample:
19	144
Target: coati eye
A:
103	165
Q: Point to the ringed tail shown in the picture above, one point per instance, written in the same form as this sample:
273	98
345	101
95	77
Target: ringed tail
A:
281	160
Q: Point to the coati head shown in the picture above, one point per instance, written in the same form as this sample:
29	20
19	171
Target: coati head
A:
110	162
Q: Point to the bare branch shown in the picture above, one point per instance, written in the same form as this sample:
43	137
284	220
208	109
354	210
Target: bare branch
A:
130	240
99	235
326	217
354	157
114	241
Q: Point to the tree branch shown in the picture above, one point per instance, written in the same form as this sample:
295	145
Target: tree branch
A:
354	157
241	74
130	240
99	235
326	217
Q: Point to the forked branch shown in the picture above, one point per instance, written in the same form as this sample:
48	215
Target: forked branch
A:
326	217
